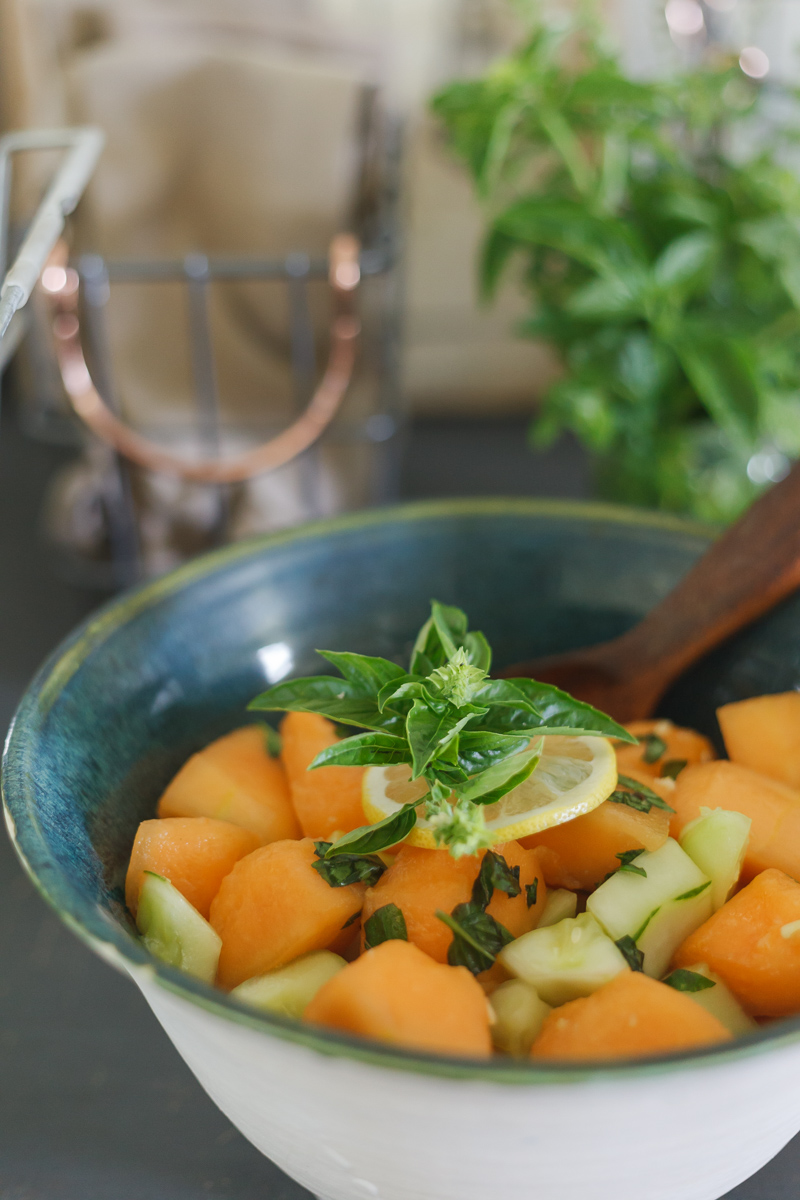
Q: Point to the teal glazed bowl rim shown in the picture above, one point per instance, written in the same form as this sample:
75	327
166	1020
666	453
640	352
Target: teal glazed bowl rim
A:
112	942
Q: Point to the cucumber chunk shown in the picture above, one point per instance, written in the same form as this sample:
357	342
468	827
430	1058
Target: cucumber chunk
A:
173	930
564	961
520	1014
560	903
291	989
658	909
717	842
722	1004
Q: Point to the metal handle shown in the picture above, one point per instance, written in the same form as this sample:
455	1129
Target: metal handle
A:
85	146
344	275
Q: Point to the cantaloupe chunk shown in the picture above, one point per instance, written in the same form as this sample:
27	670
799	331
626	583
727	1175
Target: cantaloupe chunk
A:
632	1015
327	799
746	944
398	994
764	734
193	853
580	853
773	808
235	779
420	882
273	907
681	745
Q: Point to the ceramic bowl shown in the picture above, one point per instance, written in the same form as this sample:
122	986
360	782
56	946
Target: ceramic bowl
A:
160	672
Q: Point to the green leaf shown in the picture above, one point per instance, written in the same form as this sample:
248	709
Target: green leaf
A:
479	751
494	873
531	892
478	650
429	732
347	868
654	747
631	952
370	839
273	740
688	981
684	259
503	692
386	924
477	938
613	296
362	750
698	891
673	767
637	795
493	783
626	859
334	698
363	672
497	250
721	371
559	713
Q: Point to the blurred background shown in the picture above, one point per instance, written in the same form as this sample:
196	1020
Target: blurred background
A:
579	230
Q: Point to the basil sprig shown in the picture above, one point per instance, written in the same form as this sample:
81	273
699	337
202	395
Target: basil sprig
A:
472	739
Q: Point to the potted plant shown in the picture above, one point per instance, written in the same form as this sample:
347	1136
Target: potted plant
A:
659	229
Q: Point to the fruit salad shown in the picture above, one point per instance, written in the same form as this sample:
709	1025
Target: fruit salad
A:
457	864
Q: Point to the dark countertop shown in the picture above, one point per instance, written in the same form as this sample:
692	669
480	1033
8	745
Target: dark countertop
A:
95	1103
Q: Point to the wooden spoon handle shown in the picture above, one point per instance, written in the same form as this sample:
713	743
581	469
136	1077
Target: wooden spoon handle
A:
755	564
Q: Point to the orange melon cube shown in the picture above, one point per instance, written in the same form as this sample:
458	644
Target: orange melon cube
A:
420	882
397	994
193	853
235	779
764	735
580	853
773	808
629	1017
682	745
273	907
328	799
746	944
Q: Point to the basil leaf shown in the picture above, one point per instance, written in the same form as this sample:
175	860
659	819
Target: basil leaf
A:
348	868
494	873
531	892
477	938
352	920
654	747
386	924
479	751
370	839
673	767
363	750
429	732
493	783
626	859
504	693
638	795
479	652
698	891
274	741
399	694
364	672
633	956
559	713
688	981
330	697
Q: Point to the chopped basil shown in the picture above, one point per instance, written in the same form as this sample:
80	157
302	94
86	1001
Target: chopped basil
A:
385	924
345	869
698	891
494	873
633	956
672	768
638	795
688	981
626	862
477	938
274	741
352	920
654	747
531	892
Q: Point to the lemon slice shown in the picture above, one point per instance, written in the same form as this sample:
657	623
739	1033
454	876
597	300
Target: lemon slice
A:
573	776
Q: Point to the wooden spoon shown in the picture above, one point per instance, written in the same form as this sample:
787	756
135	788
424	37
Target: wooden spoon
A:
752	566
